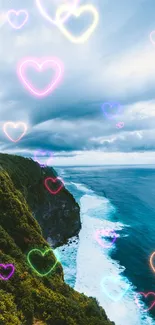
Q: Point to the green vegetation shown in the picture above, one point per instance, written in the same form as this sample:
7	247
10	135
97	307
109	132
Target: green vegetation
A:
26	298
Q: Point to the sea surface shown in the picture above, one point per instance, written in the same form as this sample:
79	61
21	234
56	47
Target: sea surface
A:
122	200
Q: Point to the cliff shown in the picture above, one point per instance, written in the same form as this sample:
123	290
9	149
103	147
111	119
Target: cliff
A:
58	215
35	293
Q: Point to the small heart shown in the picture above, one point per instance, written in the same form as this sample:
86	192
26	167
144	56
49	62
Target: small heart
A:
41	153
14	14
152	261
152	37
54	181
40	67
146	295
107	106
42	262
100	233
120	125
14	125
77	12
9	268
114	280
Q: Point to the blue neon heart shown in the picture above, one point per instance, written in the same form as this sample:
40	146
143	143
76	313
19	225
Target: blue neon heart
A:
114	280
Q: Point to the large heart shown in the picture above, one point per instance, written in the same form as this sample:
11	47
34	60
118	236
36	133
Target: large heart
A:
77	12
56	65
14	125
42	262
14	14
54	21
118	293
57	182
145	295
9	268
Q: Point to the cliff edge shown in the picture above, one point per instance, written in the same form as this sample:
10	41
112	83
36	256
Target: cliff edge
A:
34	292
58	215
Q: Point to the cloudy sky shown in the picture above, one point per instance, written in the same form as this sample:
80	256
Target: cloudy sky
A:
116	65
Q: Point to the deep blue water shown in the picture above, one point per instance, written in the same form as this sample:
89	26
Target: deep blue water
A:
122	199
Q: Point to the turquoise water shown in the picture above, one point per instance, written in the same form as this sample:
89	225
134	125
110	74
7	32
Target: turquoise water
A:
121	200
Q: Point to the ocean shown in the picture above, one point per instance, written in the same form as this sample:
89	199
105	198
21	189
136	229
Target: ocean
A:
121	201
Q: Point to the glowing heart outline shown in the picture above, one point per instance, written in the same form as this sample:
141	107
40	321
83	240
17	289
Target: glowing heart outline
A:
151	37
76	12
151	261
105	232
43	254
115	280
17	13
111	105
45	15
34	61
42	154
145	295
5	266
54	181
13	123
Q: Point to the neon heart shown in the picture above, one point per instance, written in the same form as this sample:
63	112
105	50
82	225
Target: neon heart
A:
152	37
54	180
114	280
152	262
120	125
44	13
42	153
17	13
103	232
15	125
6	266
145	295
34	62
111	105
77	12
34	251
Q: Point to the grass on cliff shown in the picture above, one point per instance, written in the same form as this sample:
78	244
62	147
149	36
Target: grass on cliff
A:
26	298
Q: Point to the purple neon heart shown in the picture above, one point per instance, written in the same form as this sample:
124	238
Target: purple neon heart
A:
5	267
43	154
99	233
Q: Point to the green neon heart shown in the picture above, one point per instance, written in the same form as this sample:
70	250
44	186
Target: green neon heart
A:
42	253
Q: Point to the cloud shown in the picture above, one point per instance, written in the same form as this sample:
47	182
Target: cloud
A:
116	64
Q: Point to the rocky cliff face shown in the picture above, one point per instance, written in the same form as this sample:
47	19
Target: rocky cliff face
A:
58	215
36	294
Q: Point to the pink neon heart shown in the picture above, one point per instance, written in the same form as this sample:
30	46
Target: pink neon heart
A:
101	232
53	180
6	266
145	295
53	21
17	13
120	125
40	66
15	125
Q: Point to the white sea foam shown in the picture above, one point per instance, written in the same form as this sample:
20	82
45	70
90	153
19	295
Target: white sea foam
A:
81	187
94	263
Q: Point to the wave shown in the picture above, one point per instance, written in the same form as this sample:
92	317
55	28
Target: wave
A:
94	263
81	187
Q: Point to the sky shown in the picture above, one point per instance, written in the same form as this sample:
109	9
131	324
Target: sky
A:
116	65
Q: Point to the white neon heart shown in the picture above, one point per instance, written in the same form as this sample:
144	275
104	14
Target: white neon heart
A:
54	21
14	125
77	12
